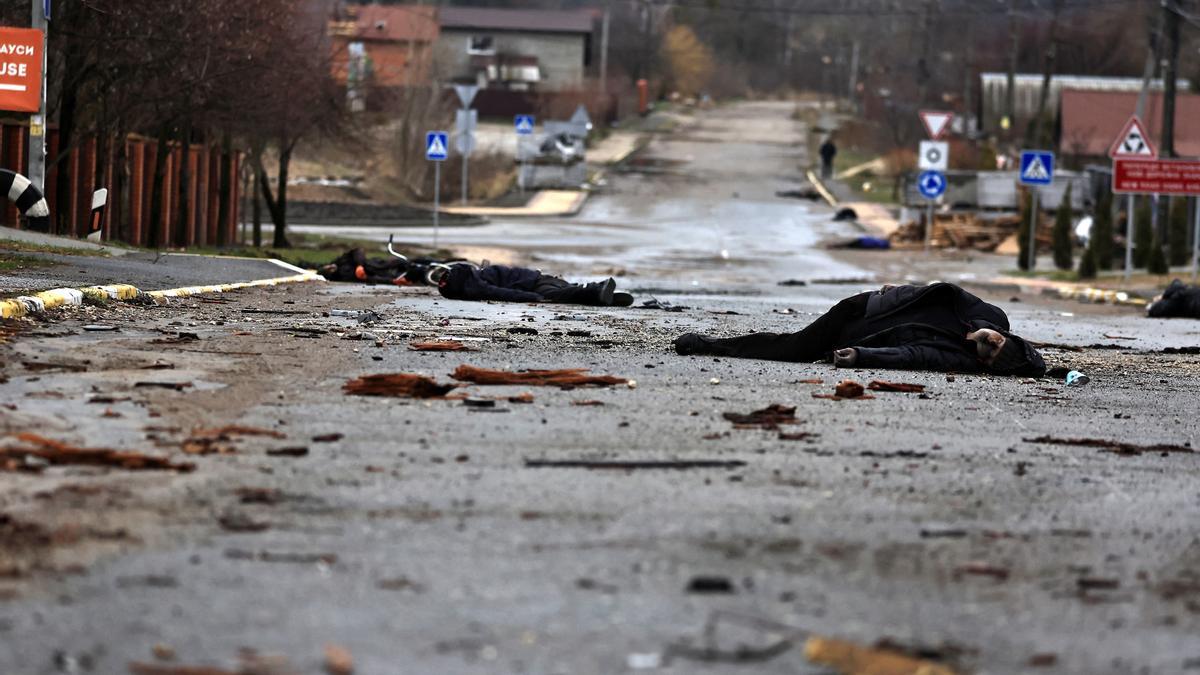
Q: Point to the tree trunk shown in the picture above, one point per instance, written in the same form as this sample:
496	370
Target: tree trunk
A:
185	178
226	187
1047	73
279	213
256	210
162	150
1014	46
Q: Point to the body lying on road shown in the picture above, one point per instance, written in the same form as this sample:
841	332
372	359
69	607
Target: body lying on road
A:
935	327
1179	300
521	284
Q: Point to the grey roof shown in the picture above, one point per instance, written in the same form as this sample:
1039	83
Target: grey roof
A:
529	20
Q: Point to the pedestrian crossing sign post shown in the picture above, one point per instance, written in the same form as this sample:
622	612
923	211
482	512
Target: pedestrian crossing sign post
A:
1037	167
524	126
437	148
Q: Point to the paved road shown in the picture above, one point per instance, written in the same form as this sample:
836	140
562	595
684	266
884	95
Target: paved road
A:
147	271
423	541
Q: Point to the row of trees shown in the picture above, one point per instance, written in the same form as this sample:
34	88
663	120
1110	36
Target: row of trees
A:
248	76
1149	251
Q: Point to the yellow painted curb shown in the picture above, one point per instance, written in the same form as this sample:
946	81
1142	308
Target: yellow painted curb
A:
820	188
18	307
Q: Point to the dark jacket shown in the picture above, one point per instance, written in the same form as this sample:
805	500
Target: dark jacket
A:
1179	300
925	328
494	282
354	265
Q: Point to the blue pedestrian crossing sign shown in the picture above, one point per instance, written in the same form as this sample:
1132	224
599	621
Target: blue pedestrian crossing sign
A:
1037	167
524	124
436	144
931	184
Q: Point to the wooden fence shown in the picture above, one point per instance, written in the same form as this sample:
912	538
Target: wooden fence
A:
129	173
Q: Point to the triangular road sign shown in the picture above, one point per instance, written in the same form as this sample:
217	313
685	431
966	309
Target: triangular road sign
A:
466	93
1133	142
936	122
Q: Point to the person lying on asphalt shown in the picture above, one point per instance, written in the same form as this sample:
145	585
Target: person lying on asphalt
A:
354	265
936	327
1178	300
521	284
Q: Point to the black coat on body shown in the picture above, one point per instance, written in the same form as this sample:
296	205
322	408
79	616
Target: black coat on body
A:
1179	300
925	327
493	282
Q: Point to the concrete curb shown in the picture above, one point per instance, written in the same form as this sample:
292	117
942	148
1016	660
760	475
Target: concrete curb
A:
820	188
58	297
1063	290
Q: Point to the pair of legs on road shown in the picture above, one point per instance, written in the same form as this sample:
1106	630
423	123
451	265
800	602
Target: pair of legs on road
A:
814	342
600	293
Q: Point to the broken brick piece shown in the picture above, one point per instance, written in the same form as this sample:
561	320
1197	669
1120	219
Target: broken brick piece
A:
439	346
57	452
565	378
400	385
904	387
848	389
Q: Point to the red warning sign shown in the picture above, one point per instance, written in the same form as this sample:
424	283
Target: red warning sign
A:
20	69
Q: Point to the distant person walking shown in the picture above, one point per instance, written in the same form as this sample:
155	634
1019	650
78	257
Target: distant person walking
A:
828	152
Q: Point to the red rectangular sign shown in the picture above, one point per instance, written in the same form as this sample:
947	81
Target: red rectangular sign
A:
1156	176
20	69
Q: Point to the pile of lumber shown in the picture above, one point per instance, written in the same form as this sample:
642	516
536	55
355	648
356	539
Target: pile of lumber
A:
966	231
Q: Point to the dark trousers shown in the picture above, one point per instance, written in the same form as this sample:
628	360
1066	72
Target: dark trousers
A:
561	290
814	342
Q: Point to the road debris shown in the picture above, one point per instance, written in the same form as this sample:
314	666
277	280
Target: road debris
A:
524	397
278	557
1115	447
291	451
591	402
176	386
178	338
983	569
655	303
903	387
327	438
48	451
846	389
400	385
230	430
566	378
632	465
240	522
338	660
140	668
802	436
849	658
439	346
479	402
1076	379
359	315
768	418
644	661
522	330
99	328
710	585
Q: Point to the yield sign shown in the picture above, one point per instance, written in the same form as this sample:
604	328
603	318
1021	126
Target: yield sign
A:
466	93
936	122
1133	142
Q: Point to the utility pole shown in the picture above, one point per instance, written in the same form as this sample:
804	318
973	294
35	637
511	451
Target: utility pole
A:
1170	75
37	123
604	51
1014	46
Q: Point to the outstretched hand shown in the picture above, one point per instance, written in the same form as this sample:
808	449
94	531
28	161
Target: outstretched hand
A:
845	358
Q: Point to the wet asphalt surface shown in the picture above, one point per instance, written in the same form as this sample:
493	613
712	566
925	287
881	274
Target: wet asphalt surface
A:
146	271
423	540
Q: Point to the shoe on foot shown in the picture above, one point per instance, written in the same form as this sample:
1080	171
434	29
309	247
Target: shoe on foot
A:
622	299
607	287
692	343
